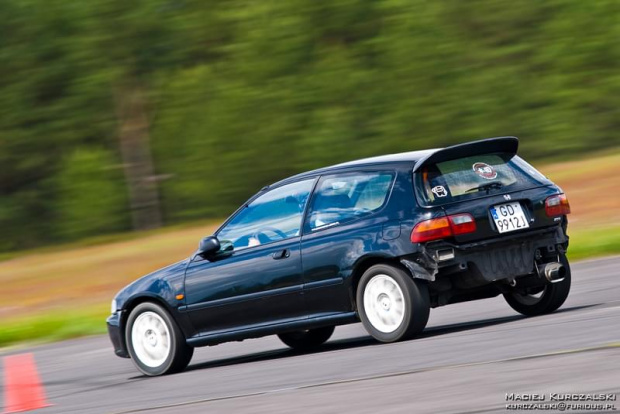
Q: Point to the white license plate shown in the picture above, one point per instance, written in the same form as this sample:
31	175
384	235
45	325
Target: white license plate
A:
509	217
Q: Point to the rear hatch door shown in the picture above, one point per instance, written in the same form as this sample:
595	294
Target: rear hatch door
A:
486	179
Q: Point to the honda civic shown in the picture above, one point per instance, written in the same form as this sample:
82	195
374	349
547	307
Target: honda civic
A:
380	240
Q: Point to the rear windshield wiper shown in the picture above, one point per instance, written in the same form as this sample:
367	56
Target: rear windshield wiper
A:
495	185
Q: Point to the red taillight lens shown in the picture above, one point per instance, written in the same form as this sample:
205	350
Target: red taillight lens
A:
442	227
431	230
557	205
462	224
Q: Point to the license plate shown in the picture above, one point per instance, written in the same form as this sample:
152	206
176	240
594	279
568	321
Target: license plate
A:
509	217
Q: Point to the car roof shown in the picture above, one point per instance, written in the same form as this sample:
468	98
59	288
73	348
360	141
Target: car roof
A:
404	157
411	156
417	158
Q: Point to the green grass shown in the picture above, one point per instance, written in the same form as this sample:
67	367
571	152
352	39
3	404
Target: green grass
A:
54	326
58	325
590	243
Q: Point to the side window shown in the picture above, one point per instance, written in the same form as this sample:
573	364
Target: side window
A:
275	215
339	199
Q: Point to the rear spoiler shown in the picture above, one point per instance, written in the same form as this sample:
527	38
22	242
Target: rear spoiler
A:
468	149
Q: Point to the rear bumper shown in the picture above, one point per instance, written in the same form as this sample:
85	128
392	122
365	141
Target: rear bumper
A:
497	259
116	335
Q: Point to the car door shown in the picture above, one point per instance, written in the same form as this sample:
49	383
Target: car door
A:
256	277
341	226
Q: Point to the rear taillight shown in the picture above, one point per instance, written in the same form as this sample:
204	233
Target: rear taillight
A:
433	229
557	205
462	224
442	227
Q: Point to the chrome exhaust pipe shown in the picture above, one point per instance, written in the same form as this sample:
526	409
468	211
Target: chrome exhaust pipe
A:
554	272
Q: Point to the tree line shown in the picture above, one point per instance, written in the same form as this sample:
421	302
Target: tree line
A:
119	115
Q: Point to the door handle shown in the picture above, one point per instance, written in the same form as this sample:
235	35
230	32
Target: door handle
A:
281	254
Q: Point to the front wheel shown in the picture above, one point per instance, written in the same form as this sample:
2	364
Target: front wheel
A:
155	342
391	304
545	300
307	339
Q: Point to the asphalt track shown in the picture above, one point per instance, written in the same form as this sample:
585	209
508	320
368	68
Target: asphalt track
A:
470	356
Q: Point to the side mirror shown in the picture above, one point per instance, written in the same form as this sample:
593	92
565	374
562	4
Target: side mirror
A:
208	245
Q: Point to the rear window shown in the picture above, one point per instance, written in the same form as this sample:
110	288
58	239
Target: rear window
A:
476	176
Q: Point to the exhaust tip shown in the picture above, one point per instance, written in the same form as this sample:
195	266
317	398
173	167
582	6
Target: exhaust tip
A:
554	272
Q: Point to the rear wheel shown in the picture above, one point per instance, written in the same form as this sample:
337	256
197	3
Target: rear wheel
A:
542	301
391	304
307	339
155	342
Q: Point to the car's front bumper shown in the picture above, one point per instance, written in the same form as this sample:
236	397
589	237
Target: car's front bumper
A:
116	334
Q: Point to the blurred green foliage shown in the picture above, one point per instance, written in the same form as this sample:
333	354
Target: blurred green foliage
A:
242	93
90	196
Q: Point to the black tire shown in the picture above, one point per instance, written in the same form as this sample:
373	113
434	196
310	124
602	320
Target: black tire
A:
548	300
176	355
410	320
307	339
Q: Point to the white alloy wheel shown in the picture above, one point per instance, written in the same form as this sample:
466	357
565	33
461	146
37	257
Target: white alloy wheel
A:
384	303
150	339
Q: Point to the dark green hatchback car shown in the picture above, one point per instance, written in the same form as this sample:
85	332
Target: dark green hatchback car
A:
380	240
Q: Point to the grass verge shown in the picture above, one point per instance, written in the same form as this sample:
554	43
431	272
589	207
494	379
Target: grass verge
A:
52	326
591	243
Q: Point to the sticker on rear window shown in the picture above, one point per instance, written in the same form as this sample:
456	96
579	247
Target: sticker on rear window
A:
439	191
484	170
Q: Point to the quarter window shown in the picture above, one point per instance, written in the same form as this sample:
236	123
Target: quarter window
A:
339	199
275	215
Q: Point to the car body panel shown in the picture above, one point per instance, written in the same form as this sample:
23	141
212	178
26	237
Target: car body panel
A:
246	287
258	330
163	284
329	256
532	201
161	287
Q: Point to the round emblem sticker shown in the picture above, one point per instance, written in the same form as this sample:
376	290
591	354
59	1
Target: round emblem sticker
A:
484	170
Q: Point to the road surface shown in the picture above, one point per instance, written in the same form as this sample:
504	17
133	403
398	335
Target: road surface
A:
469	358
